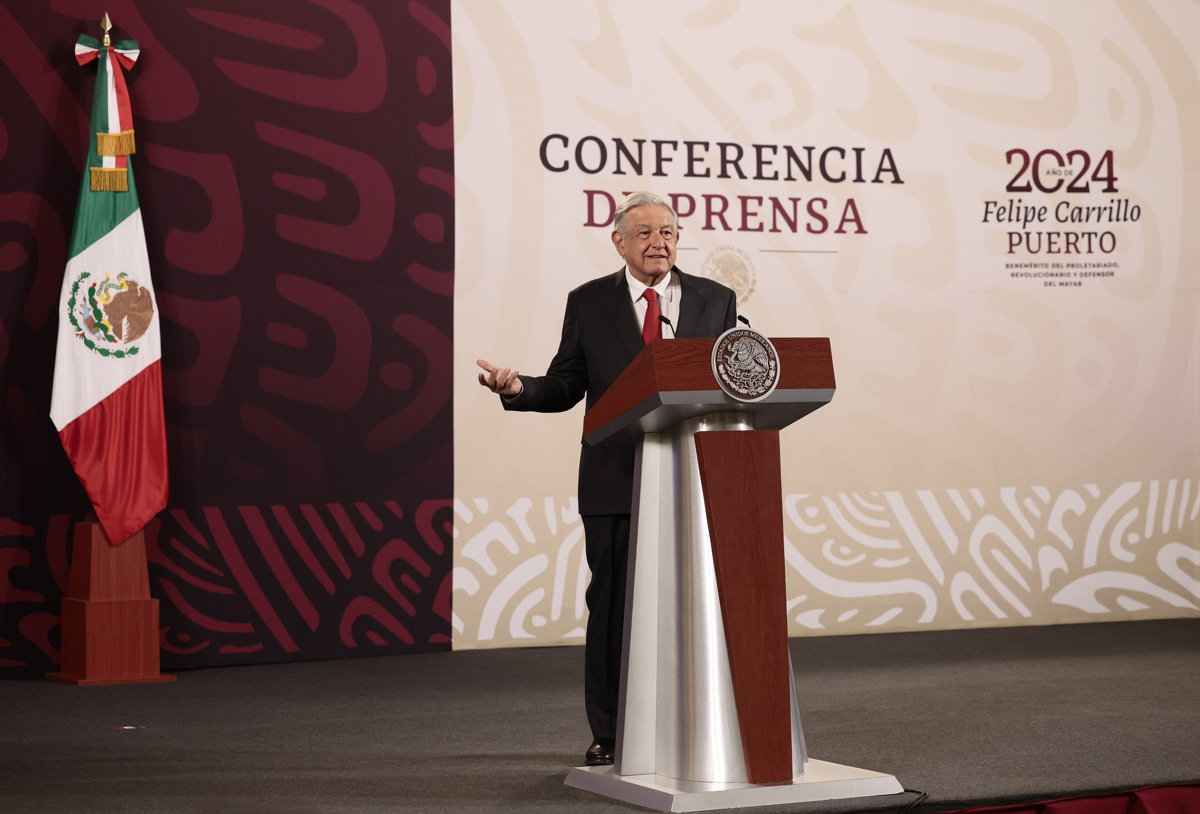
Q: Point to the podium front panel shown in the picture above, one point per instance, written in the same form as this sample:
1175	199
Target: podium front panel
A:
677	715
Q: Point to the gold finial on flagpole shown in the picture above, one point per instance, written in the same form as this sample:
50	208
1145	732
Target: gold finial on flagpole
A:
106	24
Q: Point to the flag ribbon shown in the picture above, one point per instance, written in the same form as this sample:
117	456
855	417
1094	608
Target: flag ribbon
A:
112	119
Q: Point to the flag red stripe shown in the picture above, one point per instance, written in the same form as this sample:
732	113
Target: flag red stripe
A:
119	451
124	113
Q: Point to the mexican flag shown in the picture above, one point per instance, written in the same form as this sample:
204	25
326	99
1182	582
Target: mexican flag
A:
107	403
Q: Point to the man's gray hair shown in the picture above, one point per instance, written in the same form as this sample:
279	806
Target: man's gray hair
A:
633	201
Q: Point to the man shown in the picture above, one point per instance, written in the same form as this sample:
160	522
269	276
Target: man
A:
607	322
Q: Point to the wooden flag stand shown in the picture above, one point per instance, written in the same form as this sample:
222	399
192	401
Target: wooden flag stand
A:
109	621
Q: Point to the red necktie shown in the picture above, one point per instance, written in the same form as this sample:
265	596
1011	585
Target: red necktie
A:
652	327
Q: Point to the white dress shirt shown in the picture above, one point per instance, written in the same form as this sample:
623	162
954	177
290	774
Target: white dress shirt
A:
669	294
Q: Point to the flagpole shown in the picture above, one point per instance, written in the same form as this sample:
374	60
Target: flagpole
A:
107	400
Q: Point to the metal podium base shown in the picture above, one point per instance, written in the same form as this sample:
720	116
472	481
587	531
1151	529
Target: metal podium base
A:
821	781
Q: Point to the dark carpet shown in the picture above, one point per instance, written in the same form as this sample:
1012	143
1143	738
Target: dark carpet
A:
980	717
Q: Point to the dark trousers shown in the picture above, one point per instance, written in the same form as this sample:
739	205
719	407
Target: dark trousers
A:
606	540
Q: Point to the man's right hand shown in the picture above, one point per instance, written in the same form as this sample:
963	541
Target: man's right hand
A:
502	380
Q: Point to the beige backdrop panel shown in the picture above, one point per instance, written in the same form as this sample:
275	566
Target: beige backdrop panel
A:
1014	438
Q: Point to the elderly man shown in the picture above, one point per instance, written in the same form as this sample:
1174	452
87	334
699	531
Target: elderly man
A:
607	322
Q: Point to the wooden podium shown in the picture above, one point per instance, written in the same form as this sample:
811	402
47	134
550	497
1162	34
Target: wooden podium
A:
708	716
109	620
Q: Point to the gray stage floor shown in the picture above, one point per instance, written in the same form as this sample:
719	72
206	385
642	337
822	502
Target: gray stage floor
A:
968	717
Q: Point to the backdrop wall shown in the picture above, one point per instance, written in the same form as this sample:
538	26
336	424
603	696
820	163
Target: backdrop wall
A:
989	208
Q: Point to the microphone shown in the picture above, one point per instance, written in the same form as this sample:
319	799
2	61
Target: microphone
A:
743	319
667	322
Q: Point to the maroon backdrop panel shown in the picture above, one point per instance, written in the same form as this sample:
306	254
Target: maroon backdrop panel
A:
295	171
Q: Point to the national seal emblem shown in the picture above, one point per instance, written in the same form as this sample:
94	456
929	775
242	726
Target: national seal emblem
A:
745	364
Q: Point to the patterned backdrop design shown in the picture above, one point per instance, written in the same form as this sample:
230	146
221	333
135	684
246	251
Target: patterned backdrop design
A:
857	563
988	207
295	169
954	558
508	554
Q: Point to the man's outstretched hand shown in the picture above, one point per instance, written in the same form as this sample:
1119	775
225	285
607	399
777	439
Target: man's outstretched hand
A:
502	380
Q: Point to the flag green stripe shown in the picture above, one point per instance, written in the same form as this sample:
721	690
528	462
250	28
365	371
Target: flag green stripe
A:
99	212
100	95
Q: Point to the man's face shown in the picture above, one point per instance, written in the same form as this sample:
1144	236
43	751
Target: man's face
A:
648	244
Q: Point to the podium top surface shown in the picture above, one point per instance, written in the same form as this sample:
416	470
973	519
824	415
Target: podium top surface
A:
671	380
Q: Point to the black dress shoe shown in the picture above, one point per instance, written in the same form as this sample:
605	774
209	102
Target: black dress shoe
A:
600	753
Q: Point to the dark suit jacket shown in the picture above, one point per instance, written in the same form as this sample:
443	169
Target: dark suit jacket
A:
600	337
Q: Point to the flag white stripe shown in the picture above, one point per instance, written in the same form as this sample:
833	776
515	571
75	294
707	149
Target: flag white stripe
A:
121	250
110	88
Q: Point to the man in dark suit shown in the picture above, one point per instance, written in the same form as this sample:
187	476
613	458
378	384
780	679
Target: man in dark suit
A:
607	323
